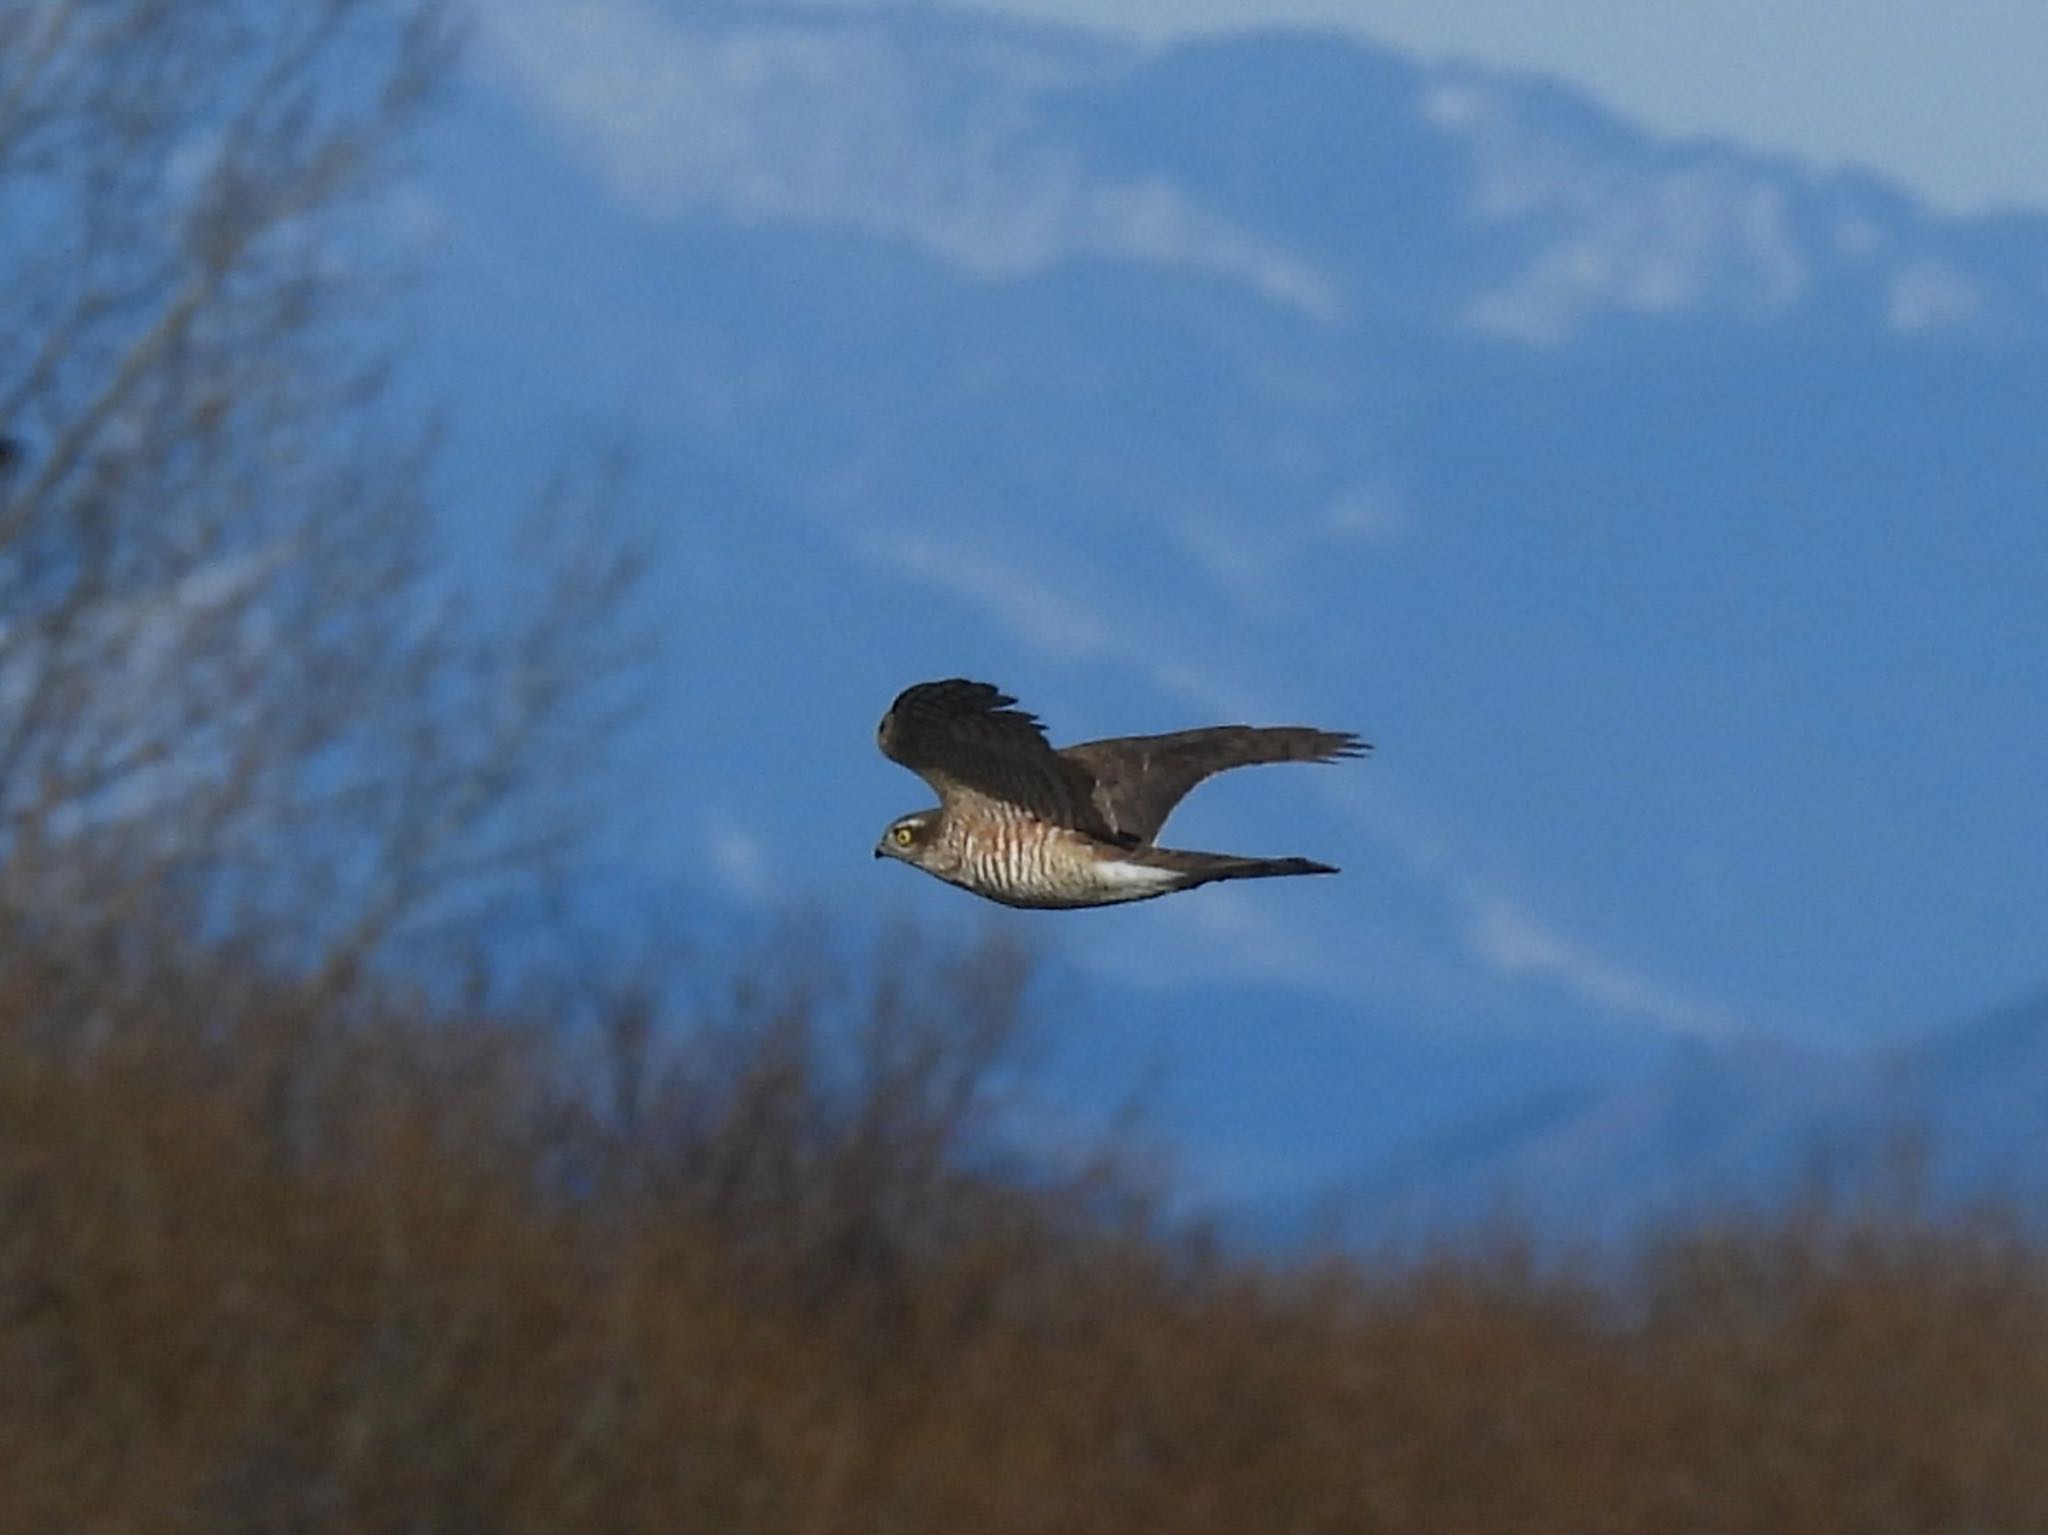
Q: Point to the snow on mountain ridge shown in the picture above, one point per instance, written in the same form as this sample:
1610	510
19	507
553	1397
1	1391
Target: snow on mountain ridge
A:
960	141
786	120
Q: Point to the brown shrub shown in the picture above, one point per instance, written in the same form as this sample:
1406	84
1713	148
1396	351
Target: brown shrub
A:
277	1260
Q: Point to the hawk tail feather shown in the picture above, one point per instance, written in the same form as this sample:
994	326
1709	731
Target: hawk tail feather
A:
1192	869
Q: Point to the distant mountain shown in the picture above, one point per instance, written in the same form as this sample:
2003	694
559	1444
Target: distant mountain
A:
1961	1115
1668	515
1320	175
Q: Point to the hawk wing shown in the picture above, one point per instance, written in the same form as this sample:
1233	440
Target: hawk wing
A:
1139	779
963	737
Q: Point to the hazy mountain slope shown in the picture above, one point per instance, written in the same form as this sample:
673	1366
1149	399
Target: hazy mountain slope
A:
1669	516
1959	1115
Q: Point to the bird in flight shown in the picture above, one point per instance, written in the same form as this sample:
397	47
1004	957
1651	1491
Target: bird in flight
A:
1027	825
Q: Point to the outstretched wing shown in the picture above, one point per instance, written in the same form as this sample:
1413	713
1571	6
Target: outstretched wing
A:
963	737
1137	780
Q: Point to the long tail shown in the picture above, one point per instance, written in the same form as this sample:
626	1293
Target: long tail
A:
1204	868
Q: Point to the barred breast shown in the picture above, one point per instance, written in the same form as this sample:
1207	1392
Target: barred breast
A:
1015	858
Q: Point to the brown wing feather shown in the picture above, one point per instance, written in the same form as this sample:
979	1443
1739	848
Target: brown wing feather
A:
1139	779
958	735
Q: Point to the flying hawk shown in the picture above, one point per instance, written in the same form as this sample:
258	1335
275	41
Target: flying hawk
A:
1026	825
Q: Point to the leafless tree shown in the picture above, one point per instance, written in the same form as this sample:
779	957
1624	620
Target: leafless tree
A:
237	686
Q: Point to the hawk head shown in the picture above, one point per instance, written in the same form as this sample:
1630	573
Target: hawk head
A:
908	836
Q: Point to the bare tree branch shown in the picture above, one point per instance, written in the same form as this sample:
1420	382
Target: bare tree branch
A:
236	680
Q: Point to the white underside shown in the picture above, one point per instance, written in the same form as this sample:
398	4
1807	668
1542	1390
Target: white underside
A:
1134	876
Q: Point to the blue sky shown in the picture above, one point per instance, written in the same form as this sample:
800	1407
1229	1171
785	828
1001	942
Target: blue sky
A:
1665	514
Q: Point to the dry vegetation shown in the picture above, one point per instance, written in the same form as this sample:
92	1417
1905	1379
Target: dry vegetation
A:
284	1248
276	1260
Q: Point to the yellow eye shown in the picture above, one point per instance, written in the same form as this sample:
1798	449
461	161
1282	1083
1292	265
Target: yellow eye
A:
903	836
